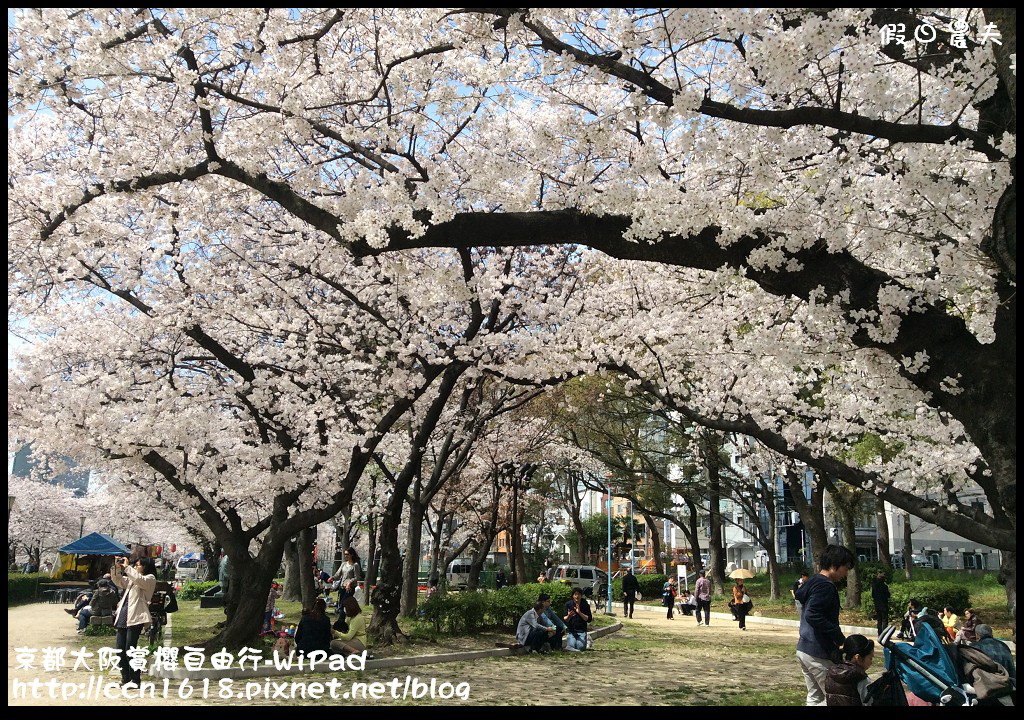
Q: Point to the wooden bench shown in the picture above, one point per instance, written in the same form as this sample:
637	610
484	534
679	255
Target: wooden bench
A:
101	620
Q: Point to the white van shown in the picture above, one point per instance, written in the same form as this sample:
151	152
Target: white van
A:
458	574
583	577
190	567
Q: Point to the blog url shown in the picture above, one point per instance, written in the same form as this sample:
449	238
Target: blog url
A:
100	688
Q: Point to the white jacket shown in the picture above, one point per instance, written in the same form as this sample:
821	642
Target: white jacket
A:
138	589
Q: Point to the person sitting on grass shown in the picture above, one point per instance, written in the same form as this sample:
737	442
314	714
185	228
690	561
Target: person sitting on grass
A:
314	631
968	628
531	633
550	618
687	603
846	682
995	649
352	641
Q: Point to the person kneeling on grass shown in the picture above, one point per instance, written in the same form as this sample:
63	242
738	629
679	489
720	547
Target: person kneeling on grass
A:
577	615
531	633
353	641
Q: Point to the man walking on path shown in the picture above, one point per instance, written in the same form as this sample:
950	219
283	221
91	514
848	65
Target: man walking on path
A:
820	636
880	596
702	589
630	587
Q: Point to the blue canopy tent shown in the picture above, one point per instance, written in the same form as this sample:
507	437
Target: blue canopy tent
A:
94	546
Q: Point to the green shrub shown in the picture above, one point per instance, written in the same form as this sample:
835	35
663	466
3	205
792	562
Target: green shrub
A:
22	587
933	594
192	590
650	587
468	612
99	630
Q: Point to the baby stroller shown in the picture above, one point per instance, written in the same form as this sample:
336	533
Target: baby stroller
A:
937	671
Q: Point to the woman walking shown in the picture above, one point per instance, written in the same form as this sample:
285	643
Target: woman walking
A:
138	582
741	602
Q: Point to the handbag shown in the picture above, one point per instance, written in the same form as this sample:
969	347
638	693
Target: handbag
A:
172	603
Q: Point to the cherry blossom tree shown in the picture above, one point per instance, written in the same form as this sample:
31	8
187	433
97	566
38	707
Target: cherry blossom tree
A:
791	161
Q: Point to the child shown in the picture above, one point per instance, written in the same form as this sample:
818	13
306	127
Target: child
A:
846	682
268	615
283	645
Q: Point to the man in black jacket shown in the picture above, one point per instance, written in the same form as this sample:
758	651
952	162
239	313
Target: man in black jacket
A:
880	596
821	638
630	587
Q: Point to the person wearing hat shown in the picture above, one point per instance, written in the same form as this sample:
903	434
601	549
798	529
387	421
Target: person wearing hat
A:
550	618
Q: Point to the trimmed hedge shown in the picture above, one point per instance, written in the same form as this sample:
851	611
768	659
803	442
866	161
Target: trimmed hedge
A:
467	612
933	594
650	587
192	590
22	587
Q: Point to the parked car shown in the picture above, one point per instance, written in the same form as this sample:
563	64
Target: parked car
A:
583	577
918	560
458	574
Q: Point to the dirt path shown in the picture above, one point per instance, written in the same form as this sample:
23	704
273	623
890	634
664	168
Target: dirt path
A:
43	625
652	661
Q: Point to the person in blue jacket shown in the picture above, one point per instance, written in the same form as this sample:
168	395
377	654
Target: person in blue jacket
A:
821	639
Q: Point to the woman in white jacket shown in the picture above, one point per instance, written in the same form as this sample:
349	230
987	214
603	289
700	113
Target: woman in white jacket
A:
138	582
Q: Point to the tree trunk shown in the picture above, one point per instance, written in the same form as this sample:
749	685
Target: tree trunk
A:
372	556
1008	577
659	566
292	582
812	515
882	523
211	551
307	587
845	508
435	547
249	587
387	599
517	540
693	535
411	569
716	550
908	548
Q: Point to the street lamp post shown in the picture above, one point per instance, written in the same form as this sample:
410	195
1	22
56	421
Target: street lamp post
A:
632	541
10	508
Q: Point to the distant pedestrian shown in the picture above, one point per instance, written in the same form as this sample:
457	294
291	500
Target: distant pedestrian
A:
499	579
741	602
880	596
630	587
820	634
796	586
702	590
668	597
